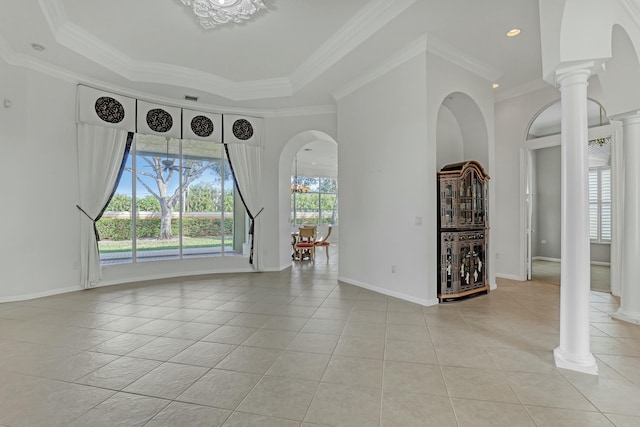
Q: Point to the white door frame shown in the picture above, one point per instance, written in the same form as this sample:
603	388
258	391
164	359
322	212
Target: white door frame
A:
525	177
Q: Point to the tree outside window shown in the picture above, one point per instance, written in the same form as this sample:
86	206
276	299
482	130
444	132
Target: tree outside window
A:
318	205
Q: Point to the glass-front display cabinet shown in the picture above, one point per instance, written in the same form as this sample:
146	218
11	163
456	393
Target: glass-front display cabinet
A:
463	230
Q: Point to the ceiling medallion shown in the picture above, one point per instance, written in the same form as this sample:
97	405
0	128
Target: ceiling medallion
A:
212	13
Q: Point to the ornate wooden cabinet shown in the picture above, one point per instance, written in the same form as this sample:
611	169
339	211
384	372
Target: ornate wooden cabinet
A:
463	230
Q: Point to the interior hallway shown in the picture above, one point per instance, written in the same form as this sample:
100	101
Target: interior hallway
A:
549	272
299	348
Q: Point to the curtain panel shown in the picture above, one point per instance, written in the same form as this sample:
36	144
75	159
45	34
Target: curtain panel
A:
100	156
246	165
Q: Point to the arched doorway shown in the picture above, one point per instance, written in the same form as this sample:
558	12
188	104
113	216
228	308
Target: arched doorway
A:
542	199
316	154
462	136
461	132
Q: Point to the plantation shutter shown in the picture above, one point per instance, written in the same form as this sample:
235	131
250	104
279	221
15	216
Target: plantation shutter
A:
605	207
593	204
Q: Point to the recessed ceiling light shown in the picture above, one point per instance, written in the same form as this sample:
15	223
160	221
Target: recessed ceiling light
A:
495	85
307	149
37	47
514	32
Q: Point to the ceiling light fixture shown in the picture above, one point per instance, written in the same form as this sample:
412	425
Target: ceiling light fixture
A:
514	32
296	187
495	85
212	13
37	47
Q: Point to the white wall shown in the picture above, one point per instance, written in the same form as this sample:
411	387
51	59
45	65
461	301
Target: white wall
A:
387	165
39	254
547	202
387	179
512	118
449	143
473	99
286	136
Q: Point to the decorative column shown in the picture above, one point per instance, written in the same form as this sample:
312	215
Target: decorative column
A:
629	310
573	352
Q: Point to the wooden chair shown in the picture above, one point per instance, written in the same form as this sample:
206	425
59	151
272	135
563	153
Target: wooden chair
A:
324	242
305	244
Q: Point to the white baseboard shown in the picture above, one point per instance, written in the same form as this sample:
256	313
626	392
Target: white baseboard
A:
384	291
277	269
121	281
508	276
25	297
544	258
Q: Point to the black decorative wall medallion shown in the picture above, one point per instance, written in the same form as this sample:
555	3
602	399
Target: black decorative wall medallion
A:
159	120
242	129
202	126
109	109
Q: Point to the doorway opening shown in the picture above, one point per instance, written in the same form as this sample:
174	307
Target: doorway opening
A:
540	159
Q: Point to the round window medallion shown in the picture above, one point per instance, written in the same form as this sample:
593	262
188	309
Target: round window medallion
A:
242	129
202	126
159	120
109	109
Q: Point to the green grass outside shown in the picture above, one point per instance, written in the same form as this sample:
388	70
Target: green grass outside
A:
112	246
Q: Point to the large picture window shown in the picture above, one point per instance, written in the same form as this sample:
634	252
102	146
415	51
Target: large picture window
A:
600	204
175	200
317	203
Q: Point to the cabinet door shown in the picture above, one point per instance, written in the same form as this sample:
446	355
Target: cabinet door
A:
466	266
447	208
449	278
478	257
478	201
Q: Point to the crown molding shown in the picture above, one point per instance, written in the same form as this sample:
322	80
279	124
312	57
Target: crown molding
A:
21	60
312	110
83	43
371	19
461	59
363	25
429	44
633	9
409	52
523	89
31	63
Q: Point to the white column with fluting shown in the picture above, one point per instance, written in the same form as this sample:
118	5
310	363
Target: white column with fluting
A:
573	352
629	310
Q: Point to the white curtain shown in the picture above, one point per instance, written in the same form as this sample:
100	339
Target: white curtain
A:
246	161
100	152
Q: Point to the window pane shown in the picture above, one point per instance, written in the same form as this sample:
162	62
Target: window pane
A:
309	181
328	185
328	209
307	208
203	198
114	228
157	198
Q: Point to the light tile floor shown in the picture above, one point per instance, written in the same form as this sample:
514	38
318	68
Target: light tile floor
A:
549	272
298	348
